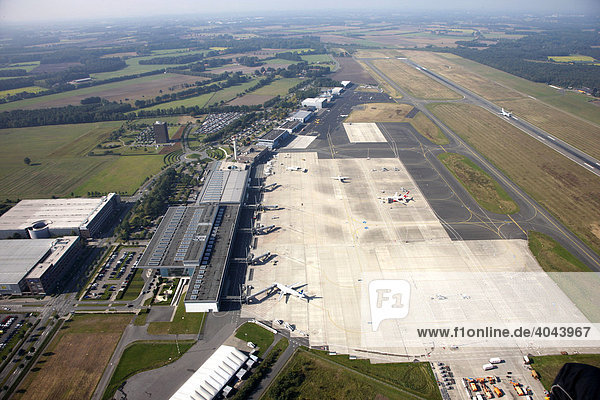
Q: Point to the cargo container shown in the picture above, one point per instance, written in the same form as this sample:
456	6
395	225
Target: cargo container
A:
497	391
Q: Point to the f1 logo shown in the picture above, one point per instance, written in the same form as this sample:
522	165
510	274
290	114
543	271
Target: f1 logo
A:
389	299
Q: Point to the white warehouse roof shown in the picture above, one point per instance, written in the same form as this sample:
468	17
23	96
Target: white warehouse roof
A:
18	257
213	375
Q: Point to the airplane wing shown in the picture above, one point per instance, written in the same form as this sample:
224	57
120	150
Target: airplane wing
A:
280	295
294	285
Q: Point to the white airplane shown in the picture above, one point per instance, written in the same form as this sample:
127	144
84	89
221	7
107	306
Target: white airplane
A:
296	168
340	178
507	114
288	290
398	198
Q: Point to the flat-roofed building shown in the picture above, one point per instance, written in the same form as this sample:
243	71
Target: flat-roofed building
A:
161	132
43	218
36	266
291	126
225	183
301	115
314	103
272	139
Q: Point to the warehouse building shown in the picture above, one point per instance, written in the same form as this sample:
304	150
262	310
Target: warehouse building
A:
314	103
196	240
161	132
291	126
45	218
301	115
36	266
272	139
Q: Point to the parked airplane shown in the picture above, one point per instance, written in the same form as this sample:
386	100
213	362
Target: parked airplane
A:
259	230
252	260
340	178
284	290
398	198
296	168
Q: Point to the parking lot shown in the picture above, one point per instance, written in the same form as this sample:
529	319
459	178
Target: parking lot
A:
9	326
115	274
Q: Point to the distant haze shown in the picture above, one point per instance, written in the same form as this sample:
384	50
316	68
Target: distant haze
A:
13	11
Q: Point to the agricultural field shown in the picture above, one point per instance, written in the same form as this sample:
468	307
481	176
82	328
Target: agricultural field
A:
314	375
60	164
123	175
413	81
482	187
280	87
318	59
548	172
199	101
144	356
74	361
126	91
395	112
29	89
27	66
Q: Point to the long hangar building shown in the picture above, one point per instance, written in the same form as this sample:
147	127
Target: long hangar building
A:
196	240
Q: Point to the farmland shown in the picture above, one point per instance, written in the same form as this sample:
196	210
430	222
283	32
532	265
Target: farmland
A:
60	165
548	172
413	81
75	359
279	87
126	91
29	89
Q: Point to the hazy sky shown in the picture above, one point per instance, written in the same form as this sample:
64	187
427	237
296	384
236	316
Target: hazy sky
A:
37	10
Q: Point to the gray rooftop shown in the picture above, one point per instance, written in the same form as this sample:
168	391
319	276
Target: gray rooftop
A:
224	185
59	213
205	285
290	125
272	135
18	257
181	237
301	114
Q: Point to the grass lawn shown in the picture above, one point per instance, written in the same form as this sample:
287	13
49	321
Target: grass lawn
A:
141	318
261	337
74	361
314	375
427	128
135	286
537	169
551	256
482	187
124	174
548	366
143	356
183	323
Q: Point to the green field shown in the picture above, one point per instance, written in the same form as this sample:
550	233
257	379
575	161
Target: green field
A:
230	93
250	332
199	101
279	87
548	366
123	175
30	89
144	356
27	66
314	375
480	185
183	323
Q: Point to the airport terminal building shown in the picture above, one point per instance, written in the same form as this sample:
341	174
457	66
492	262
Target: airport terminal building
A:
45	218
195	241
35	266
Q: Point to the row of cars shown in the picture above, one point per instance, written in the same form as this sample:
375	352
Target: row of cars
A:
6	324
109	273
